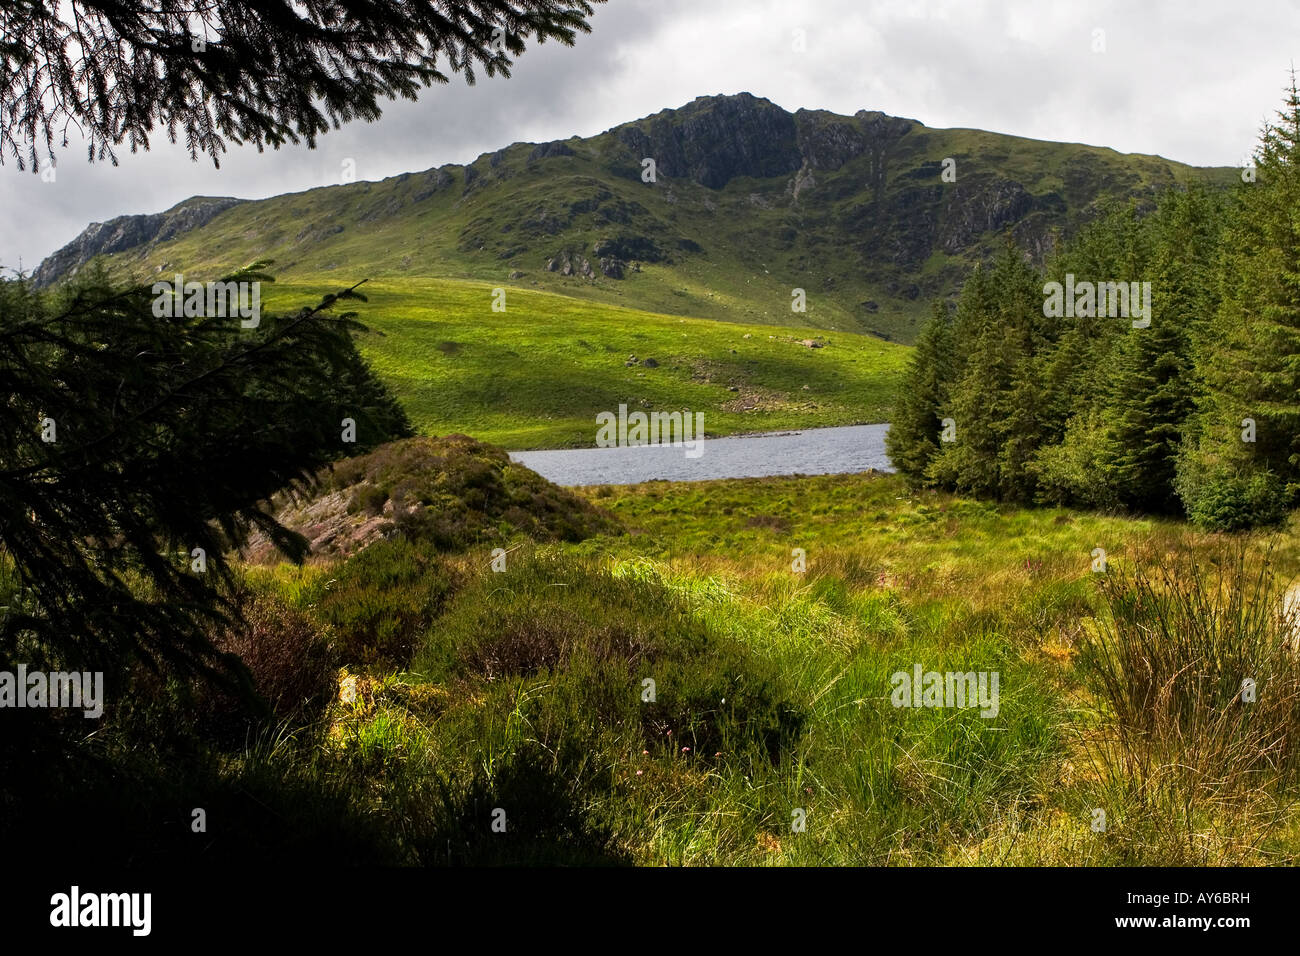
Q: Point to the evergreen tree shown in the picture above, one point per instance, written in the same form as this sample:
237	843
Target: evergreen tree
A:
265	73
991	403
1153	385
1249	358
913	438
135	450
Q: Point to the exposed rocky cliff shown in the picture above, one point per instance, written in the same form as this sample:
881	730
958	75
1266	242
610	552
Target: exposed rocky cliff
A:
130	232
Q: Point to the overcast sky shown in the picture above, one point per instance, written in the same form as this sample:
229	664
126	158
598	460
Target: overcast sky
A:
1191	80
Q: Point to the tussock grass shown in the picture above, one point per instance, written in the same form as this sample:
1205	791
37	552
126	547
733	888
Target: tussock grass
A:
1196	671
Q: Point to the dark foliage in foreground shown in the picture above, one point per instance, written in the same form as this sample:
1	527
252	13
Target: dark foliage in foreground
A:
167	434
265	73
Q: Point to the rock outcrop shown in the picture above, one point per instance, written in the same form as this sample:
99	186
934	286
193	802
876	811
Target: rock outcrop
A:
714	139
130	232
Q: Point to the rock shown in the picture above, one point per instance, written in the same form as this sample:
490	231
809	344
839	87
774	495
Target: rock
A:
714	139
516	274
649	363
732	388
567	264
613	268
747	335
631	360
827	146
434	180
547	150
316	233
811	343
974	210
130	232
629	247
802	182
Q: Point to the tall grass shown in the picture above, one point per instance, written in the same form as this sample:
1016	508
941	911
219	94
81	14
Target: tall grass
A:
1197	677
471	690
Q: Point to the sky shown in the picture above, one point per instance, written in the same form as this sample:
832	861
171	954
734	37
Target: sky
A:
1191	80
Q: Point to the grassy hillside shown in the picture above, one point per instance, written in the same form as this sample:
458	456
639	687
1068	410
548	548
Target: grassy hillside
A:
750	203
535	375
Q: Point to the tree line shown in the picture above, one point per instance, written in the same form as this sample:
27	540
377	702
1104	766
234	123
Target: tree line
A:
1193	411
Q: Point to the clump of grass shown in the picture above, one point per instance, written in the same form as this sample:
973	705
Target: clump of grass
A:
289	661
1196	667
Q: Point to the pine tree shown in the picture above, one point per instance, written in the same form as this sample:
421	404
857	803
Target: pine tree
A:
1153	385
1249	358
264	73
129	442
999	325
1151	399
913	438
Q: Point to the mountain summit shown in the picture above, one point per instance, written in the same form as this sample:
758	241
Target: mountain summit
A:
721	208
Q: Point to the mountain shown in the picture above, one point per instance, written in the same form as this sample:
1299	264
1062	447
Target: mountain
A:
749	203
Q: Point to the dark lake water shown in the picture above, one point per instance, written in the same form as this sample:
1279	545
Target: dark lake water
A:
814	451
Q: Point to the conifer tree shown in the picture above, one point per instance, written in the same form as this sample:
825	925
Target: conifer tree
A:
991	401
913	438
1152	381
1249	358
135	450
265	73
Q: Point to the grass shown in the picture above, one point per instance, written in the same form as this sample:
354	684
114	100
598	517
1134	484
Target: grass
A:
535	375
525	691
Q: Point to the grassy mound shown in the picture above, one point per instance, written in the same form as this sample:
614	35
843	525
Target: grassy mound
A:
452	492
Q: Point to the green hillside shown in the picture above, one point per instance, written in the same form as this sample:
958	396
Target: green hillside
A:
750	202
535	375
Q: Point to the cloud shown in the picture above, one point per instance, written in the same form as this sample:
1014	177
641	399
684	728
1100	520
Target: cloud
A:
1188	79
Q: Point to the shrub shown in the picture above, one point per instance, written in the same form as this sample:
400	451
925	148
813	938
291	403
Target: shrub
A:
380	600
369	499
592	638
288	661
1234	502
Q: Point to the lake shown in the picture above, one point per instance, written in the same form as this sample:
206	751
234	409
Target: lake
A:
813	451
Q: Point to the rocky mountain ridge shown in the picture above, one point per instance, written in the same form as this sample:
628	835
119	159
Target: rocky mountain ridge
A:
719	208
